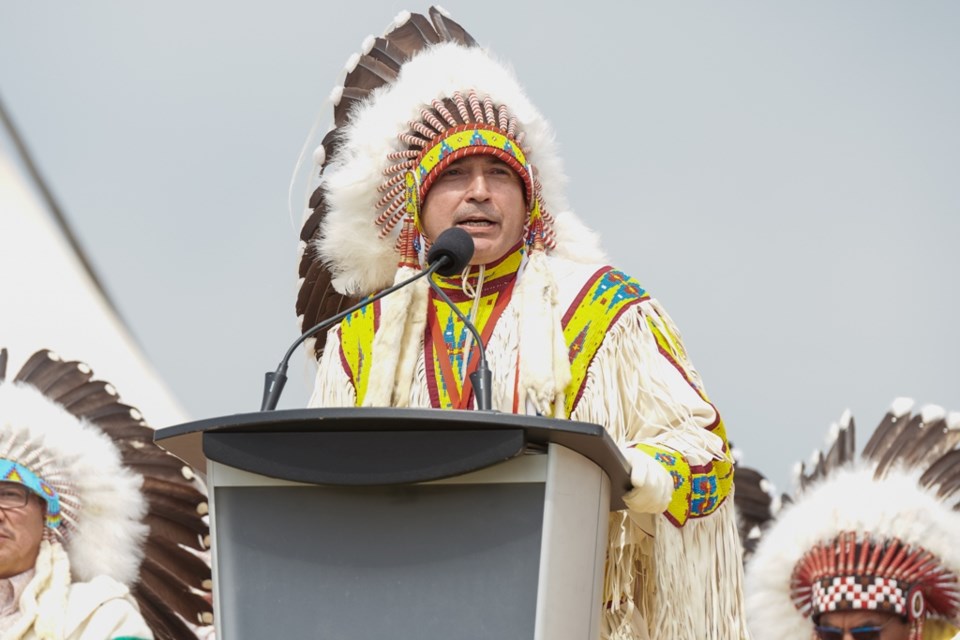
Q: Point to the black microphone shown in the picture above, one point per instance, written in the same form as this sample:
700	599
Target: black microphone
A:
449	253
455	244
459	248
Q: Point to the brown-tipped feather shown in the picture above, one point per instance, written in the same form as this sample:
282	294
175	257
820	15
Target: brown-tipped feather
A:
752	502
182	495
163	621
316	199
388	54
332	143
175	512
899	446
944	474
753	506
885	433
3	364
176	532
843	449
43	369
37	360
71	376
809	477
370	73
89	397
410	37
427	31
115	413
164	588
936	441
189	570
312	281
319	300
450	30
155	464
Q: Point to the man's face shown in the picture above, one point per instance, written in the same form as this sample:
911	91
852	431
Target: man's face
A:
21	530
892	627
483	196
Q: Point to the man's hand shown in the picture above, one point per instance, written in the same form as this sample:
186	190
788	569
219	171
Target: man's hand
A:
652	484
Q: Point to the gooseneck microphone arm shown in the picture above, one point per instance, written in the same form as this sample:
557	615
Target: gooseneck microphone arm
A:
448	255
481	379
275	380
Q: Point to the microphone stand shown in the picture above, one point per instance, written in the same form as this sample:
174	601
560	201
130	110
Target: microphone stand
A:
275	380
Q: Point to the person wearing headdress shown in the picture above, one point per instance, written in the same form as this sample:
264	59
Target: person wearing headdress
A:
76	516
868	547
431	132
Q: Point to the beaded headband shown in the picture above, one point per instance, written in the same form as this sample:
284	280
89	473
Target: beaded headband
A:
11	471
856	572
437	140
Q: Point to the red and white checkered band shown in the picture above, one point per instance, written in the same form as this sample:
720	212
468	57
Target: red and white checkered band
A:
843	593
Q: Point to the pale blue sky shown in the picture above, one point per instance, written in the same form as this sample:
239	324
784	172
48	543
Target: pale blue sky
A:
781	175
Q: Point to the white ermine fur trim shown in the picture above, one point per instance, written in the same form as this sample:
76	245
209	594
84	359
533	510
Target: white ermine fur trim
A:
403	319
411	345
544	364
331	388
101	501
360	261
386	343
849	500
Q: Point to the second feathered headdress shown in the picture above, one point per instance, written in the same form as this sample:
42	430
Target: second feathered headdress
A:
877	533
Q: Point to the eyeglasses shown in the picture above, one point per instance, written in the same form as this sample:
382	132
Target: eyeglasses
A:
13	496
857	633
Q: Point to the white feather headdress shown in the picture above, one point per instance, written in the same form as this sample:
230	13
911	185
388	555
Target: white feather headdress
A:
886	523
385	112
101	503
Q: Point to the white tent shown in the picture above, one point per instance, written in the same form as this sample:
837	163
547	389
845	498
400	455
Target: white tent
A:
50	297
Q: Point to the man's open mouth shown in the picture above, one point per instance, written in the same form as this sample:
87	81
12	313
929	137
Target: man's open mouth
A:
475	222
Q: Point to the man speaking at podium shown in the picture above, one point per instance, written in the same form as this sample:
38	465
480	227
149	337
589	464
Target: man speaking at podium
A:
431	133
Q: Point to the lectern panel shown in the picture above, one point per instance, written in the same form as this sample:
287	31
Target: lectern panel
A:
415	561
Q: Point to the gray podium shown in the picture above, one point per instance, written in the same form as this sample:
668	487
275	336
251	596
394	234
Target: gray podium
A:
405	524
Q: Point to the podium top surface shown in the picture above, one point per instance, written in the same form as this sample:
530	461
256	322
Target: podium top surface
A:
590	440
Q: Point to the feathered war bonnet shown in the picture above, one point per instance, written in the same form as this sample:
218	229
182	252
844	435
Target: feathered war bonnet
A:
418	98
94	504
879	533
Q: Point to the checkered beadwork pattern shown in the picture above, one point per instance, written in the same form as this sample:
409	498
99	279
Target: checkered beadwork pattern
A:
873	593
854	570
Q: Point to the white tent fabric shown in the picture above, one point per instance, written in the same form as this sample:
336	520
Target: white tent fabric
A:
49	299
